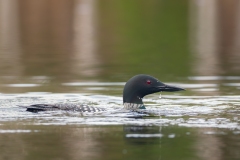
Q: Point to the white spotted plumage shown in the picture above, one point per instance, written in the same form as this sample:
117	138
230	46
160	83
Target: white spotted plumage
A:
132	106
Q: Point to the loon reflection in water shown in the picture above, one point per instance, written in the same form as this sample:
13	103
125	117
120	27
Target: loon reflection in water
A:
134	90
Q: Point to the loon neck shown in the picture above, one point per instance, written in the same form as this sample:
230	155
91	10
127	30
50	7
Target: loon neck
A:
133	106
133	102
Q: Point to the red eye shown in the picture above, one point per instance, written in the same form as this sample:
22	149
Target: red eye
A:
149	82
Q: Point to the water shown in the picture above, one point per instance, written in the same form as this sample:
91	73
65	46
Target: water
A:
191	126
83	51
178	108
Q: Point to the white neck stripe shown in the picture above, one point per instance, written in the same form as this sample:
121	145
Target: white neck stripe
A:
132	106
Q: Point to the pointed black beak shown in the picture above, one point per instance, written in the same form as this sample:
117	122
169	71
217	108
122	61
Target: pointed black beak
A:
168	88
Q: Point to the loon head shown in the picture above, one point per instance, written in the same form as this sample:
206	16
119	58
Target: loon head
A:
141	85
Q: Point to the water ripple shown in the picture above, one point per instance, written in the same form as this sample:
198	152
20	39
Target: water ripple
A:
188	111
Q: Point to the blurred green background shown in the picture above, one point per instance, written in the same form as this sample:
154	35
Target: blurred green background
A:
112	40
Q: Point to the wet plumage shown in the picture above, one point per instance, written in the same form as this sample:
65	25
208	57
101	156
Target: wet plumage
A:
134	90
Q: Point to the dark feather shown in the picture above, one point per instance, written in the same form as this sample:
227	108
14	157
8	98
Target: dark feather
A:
61	106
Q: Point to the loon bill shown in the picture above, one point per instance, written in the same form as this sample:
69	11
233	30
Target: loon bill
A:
134	90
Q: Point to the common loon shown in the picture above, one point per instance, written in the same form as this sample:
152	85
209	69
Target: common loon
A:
134	90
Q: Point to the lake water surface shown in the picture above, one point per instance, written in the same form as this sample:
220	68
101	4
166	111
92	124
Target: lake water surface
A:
178	126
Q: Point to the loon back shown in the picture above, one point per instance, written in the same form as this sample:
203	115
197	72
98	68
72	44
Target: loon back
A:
62	106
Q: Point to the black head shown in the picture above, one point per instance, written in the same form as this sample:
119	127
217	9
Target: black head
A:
141	85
